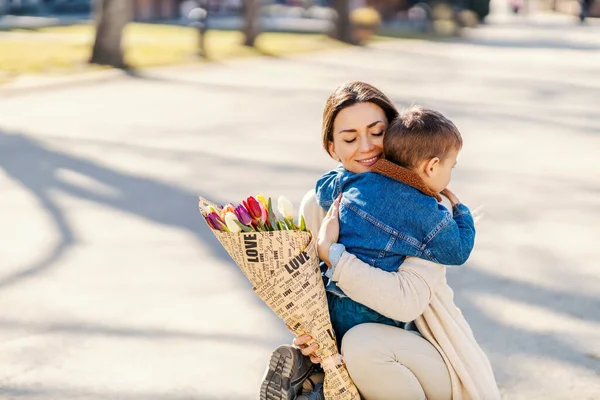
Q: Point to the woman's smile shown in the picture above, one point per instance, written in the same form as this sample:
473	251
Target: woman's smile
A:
367	162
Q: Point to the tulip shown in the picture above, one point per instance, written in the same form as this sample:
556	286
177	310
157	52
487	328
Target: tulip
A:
262	199
285	207
256	210
216	222
234	225
230	221
243	216
252	205
228	208
263	215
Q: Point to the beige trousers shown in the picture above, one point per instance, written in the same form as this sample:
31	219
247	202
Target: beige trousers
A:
386	362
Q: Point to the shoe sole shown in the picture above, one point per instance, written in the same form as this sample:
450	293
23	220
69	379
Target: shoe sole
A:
278	384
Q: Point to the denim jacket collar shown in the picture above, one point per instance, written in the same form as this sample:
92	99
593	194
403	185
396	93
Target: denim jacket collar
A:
405	175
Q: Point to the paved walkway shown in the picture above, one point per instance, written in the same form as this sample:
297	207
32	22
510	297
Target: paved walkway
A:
112	287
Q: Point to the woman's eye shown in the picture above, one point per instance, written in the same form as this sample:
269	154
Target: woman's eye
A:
349	141
378	134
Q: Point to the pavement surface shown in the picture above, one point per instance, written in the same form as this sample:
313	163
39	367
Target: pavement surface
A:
112	287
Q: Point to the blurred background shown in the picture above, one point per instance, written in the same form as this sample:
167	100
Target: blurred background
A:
59	36
116	115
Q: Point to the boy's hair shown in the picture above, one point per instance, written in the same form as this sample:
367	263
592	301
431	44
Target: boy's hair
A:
419	134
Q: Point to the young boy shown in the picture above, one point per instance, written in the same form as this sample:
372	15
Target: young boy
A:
394	211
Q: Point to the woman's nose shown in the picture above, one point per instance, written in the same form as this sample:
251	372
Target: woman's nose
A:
366	145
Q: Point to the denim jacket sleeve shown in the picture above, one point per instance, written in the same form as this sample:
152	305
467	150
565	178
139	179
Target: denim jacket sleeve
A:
453	242
329	187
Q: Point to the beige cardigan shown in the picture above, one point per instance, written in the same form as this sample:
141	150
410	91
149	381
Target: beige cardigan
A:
417	291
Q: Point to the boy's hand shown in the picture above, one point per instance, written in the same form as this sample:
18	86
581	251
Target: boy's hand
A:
306	348
329	232
450	196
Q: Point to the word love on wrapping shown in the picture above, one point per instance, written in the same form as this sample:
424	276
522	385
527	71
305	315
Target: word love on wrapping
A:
296	262
251	245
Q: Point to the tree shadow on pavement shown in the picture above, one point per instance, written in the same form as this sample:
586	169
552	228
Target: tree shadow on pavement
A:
542	274
157	77
41	391
35	167
88	330
509	340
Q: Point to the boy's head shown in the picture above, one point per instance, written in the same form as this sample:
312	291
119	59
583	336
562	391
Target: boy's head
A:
426	142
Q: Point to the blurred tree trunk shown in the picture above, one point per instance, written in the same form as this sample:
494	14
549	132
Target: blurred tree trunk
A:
251	12
343	28
111	17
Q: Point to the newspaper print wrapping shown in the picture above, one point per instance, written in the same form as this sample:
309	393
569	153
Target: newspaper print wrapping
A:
283	268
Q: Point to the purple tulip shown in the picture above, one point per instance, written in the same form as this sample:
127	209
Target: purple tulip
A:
243	215
215	222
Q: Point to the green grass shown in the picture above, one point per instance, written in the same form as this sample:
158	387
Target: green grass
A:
67	49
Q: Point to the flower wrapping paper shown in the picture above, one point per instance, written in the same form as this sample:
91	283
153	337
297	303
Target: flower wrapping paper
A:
283	268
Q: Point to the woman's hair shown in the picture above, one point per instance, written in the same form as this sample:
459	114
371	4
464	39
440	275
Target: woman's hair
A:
347	95
420	134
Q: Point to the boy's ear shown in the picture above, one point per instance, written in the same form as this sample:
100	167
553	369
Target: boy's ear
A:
431	166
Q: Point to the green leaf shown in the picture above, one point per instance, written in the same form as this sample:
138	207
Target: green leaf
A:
272	219
244	228
290	224
302	224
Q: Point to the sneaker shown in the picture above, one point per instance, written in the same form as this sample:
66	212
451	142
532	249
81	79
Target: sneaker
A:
285	374
316	394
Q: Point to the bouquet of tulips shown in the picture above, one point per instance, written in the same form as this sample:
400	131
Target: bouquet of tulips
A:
279	258
254	215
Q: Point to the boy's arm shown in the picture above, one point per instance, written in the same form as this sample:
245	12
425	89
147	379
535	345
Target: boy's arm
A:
453	242
328	187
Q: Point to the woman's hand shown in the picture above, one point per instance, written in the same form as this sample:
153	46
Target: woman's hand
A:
450	196
329	231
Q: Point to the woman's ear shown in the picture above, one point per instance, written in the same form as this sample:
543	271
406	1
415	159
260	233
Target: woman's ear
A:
331	149
431	166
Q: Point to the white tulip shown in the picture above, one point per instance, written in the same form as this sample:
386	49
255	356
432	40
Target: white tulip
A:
231	222
285	207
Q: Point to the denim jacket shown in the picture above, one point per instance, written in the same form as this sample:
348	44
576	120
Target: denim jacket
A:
389	214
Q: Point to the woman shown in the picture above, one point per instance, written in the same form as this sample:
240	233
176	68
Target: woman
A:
436	357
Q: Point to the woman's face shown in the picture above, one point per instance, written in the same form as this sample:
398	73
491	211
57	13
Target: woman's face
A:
358	136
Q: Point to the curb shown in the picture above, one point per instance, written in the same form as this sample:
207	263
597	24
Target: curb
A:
8	23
